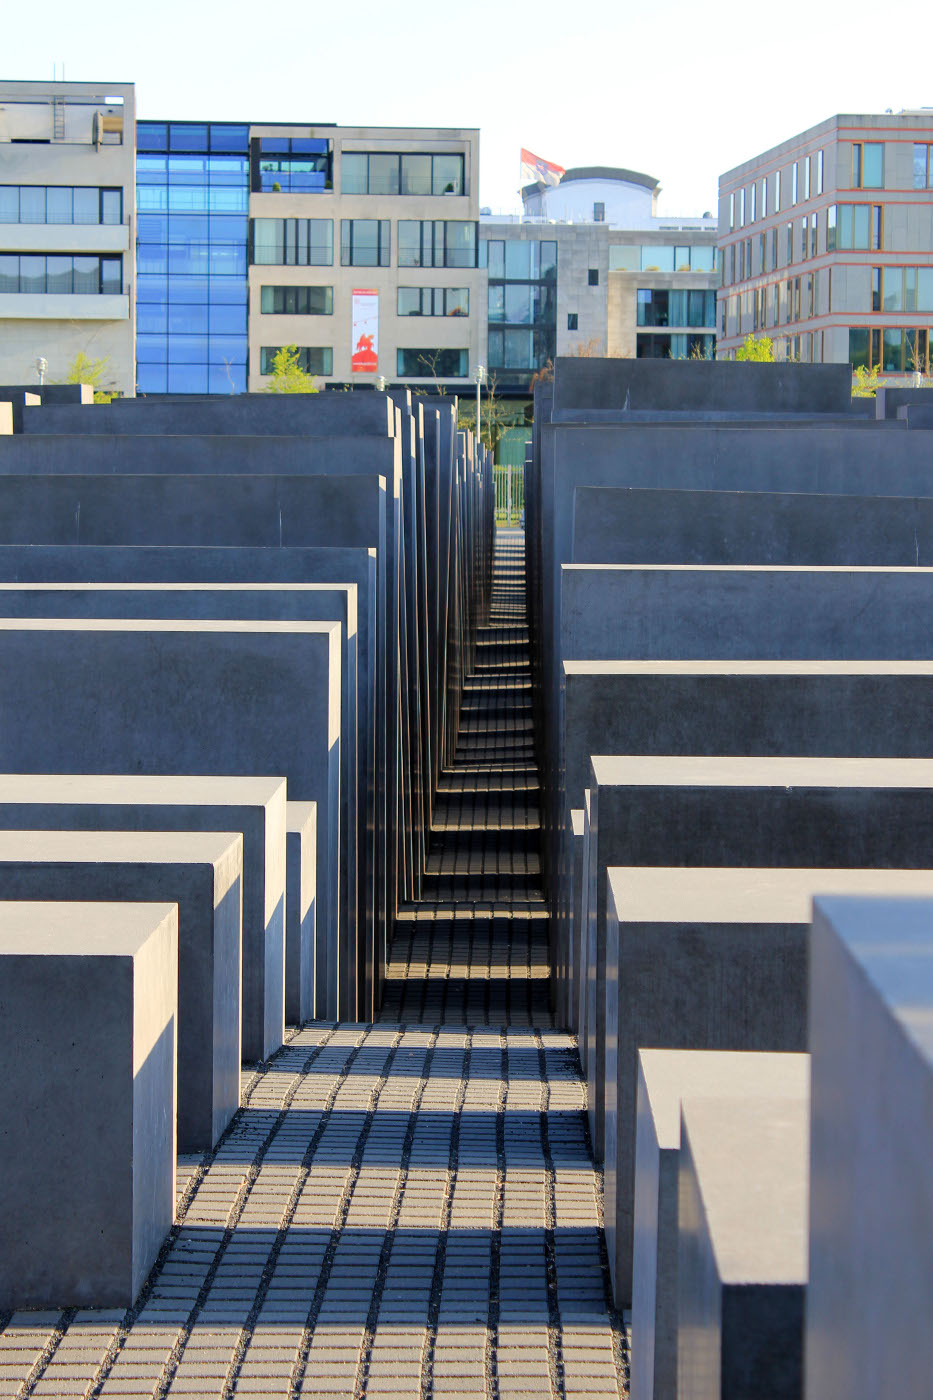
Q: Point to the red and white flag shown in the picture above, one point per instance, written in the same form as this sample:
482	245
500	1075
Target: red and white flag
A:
534	168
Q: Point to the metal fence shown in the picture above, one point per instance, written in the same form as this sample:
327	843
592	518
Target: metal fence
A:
510	494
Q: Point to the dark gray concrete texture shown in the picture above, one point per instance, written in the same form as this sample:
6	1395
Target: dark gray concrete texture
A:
231	699
300	925
753	812
256	807
52	393
622	612
18	399
917	416
742	1255
202	872
204	454
637	525
890	400
305	602
88	1023
696	386
219	564
236	415
665	1079
871	1195
695	960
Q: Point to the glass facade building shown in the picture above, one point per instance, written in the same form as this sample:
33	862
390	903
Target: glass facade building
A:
192	200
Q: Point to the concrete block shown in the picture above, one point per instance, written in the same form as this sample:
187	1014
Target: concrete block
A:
742	1255
222	698
748	812
871	1194
203	873
665	1079
301	945
88	1000
234	415
256	807
17	399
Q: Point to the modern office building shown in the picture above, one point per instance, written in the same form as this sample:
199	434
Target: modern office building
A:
67	230
592	268
827	244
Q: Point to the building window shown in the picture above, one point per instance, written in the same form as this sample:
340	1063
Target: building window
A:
819	172
292	165
391	173
313	359
433	301
572	320
790	244
761	252
732	210
655	307
764	197
904	288
867	165
599	213
895	349
777	191
855	226
806	178
831	229
804	225
732	262
297	301
60	204
793	183
922	167
72	274
742	207
655	346
876	286
437	243
813	236
754	202
774	247
365	242
428	364
796	298
293	242
593	278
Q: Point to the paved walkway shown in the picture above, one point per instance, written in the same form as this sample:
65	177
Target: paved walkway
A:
408	1209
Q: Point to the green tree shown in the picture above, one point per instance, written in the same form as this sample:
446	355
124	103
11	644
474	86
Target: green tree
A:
287	375
84	370
865	382
754	347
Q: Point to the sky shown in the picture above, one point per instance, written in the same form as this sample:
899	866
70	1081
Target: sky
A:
681	91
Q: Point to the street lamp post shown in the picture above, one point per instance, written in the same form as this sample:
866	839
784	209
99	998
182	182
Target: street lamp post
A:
479	375
41	366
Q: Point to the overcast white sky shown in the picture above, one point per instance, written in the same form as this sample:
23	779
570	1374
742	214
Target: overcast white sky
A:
678	90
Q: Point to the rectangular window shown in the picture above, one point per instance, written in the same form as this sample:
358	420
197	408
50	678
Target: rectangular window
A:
292	242
742	207
806	178
754	202
796	298
859	226
599	212
774	247
394	173
811	282
777	191
571	320
831	229
60	204
788	299
867	165
429	364
436	301
71	273
804	224
764	197
440	243
297	301
732	262
813	236
876	289
922	167
761	252
732	208
819	172
593	277
793	183
657	257
790	244
365	242
313	359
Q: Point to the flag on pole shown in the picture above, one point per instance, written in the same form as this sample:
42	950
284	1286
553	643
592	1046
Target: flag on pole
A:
534	168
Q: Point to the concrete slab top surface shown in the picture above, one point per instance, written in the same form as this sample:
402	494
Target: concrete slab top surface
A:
576	821
751	1158
687	770
705	894
78	928
727	667
221	849
674	1075
707	569
891	938
143	788
113	624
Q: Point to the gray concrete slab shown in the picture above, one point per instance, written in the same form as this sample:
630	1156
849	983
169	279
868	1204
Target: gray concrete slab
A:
203	873
305	602
637	525
18	399
742	1257
300	925
256	807
158	697
665	1079
87	1150
761	812
205	454
235	415
871	1196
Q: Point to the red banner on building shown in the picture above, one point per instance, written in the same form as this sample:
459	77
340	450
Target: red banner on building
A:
365	333
534	169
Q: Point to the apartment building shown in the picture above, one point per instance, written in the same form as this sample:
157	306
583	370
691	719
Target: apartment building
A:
67	229
827	244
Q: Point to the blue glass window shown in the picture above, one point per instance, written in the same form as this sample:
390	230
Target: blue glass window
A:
228	320
150	319
151	136
151	379
187	379
187	136
151	348
187	319
229	138
226	379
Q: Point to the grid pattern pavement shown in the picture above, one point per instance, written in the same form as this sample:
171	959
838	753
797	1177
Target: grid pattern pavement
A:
407	1209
